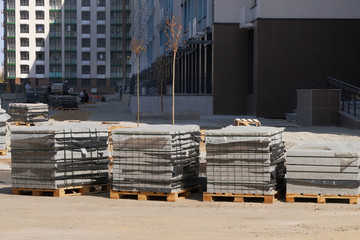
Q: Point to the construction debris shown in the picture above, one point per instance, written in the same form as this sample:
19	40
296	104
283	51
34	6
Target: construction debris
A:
29	112
246	160
158	158
323	168
51	157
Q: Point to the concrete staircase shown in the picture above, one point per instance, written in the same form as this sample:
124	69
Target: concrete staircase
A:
291	117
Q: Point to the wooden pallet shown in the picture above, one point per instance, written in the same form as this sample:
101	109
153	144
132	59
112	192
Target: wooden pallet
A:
321	198
68	109
237	197
3	152
246	122
62	192
144	196
27	124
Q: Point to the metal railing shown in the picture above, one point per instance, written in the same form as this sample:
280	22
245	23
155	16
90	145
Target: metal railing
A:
349	94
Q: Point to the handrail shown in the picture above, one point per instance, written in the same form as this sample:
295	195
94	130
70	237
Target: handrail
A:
349	93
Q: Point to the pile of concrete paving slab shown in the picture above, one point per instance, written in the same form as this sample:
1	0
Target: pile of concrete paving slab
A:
3	129
63	101
29	112
51	157
245	160
158	158
324	168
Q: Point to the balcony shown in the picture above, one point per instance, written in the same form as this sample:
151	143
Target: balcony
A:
10	6
116	75
70	61
55	74
10	60
10	33
11	47
55	7
11	74
10	20
70	75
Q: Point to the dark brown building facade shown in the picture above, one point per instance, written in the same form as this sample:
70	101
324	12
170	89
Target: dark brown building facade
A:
255	70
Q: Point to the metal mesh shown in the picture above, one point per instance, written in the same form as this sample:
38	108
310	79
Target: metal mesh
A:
59	159
245	163
157	162
29	112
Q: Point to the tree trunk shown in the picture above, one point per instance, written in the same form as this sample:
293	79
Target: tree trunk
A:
138	98
161	91
173	90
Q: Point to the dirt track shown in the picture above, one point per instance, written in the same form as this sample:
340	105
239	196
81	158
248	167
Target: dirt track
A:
98	217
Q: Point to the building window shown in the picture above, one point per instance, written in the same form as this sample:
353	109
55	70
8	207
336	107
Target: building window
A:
70	17
10	57
10	29
24	42
85	56
101	15
40	69
101	29
24	28
85	82
40	42
85	15
113	83
24	15
70	30
101	3
101	56
101	42
24	2
85	29
24	69
40	56
85	42
10	43
85	69
55	44
11	71
70	4
40	28
55	57
39	2
101	70
55	17
55	4
101	83
70	44
40	15
85	3
24	55
70	57
72	82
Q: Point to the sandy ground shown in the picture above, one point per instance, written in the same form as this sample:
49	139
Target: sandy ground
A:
98	217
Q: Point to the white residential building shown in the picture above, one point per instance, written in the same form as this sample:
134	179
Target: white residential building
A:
84	42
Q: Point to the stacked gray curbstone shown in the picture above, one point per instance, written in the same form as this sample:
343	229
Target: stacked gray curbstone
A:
245	160
29	112
157	158
49	157
329	168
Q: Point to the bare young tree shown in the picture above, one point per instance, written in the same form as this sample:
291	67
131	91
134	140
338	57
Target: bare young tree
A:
173	32
138	47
